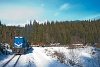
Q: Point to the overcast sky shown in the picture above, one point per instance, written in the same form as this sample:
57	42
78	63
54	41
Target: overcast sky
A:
19	12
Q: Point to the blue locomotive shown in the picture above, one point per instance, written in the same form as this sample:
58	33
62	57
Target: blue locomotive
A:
20	45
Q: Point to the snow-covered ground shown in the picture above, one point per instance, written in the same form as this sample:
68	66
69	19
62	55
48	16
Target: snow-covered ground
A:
56	57
79	57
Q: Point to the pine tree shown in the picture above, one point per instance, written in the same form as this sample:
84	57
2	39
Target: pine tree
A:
0	23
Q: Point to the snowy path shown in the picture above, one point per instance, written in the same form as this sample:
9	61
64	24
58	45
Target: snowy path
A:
26	60
41	60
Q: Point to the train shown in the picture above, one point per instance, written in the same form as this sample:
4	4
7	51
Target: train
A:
20	46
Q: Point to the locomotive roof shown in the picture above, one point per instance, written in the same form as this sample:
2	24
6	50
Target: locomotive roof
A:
18	37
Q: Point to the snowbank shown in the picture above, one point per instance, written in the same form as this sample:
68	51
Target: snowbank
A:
79	57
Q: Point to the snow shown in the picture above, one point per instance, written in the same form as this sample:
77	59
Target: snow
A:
43	57
78	56
42	60
12	62
4	58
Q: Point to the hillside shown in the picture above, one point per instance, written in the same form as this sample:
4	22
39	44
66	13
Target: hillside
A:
63	32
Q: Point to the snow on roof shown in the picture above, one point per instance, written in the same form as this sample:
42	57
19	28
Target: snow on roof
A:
18	37
77	44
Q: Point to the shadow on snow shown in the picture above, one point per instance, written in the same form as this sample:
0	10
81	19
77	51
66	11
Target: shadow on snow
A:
29	51
56	64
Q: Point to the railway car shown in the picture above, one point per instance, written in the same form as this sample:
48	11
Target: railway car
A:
20	45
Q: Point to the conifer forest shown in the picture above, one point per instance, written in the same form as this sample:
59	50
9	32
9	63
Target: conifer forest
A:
63	32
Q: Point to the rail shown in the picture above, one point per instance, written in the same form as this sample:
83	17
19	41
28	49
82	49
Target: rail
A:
10	60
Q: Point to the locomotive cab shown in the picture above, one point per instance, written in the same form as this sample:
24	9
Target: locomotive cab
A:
20	45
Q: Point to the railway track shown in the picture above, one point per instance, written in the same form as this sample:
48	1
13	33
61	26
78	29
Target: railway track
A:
9	61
